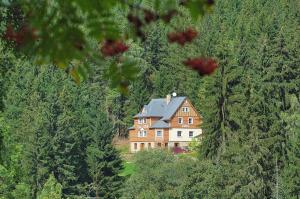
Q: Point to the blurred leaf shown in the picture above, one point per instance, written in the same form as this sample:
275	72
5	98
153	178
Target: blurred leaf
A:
75	75
196	8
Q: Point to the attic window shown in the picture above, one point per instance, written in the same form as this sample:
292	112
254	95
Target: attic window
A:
185	109
140	121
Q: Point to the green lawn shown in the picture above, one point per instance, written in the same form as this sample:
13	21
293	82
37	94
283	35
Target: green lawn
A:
193	155
129	168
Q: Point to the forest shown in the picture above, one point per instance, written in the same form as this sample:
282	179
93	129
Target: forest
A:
57	129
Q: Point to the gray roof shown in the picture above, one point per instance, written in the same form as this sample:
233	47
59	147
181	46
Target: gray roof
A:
172	107
131	128
160	108
160	124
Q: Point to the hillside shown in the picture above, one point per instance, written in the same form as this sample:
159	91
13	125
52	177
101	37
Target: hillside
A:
56	135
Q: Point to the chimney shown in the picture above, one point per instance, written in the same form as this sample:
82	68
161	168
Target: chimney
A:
168	98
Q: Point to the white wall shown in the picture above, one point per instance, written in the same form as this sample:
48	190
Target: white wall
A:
184	135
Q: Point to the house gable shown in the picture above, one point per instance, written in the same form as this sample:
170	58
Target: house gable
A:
185	115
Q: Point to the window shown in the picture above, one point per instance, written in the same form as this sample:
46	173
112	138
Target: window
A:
135	146
190	120
185	109
140	120
145	120
191	133
159	144
180	120
158	133
142	133
179	133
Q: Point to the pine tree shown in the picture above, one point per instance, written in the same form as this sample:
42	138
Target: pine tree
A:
103	160
291	171
51	189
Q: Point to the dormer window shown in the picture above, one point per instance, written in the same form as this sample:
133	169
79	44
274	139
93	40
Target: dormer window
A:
145	120
185	109
140	120
180	120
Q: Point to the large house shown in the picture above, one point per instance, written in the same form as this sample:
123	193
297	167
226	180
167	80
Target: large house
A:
165	122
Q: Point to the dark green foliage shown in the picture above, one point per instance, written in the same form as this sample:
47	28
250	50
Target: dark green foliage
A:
250	106
158	175
291	172
104	163
56	121
258	69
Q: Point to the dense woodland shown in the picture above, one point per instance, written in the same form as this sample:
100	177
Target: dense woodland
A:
56	136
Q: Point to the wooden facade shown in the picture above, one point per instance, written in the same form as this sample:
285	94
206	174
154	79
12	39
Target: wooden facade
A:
190	120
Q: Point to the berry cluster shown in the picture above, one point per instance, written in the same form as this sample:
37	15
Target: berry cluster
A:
182	37
204	66
149	16
113	47
19	37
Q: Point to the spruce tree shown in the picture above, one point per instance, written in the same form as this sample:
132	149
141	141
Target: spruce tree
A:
104	163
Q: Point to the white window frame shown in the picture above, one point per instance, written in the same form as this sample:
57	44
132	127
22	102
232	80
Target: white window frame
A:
162	132
180	134
145	120
144	133
192	120
140	133
185	109
190	134
181	120
140	120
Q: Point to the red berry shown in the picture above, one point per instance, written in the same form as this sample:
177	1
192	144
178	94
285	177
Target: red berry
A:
136	21
190	34
149	16
172	37
24	34
10	33
120	47
182	37
169	15
204	66
112	48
